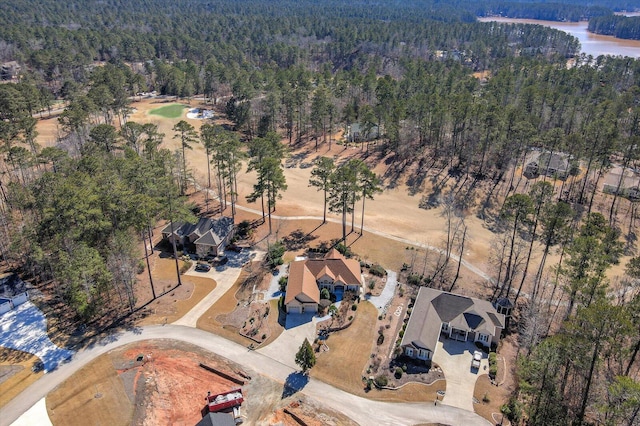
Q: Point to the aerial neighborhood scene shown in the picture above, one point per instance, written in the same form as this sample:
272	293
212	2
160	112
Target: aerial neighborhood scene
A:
320	212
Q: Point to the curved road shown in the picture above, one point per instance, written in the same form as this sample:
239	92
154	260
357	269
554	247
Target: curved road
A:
361	410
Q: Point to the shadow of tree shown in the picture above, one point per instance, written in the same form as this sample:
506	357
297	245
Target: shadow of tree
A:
295	382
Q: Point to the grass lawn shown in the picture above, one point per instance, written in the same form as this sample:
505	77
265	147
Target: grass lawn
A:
496	395
169	111
349	352
94	395
15	373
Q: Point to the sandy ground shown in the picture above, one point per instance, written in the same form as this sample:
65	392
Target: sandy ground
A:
394	211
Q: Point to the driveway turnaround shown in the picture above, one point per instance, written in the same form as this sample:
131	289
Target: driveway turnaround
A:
455	360
361	410
224	276
25	329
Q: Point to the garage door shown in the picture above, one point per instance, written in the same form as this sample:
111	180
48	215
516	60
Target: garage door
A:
294	309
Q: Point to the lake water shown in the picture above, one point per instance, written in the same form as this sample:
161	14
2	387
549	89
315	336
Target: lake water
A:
592	44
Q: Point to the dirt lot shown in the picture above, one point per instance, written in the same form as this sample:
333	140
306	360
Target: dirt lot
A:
162	382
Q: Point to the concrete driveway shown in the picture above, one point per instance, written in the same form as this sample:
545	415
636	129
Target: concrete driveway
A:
455	360
25	329
225	276
297	328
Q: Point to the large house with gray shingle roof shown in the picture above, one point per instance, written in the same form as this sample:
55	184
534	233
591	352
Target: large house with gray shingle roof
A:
209	236
457	317
307	277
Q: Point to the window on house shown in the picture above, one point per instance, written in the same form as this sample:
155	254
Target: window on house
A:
445	326
483	338
409	351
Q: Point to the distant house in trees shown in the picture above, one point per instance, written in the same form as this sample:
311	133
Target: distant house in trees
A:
355	132
208	236
307	277
554	165
9	71
457	317
626	178
13	292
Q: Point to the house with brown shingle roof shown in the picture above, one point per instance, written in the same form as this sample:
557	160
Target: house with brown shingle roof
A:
457	317
307	277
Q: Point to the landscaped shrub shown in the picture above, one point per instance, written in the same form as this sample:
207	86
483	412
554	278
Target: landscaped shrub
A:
377	270
324	294
493	365
354	307
414	279
381	381
398	373
485	398
282	282
380	339
185	266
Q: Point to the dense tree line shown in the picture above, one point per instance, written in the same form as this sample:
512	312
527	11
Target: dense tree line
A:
627	27
543	11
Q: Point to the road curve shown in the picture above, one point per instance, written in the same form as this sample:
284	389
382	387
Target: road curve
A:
361	410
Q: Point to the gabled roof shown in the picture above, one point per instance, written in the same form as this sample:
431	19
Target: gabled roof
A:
216	232
304	274
334	265
301	284
177	228
217	228
433	307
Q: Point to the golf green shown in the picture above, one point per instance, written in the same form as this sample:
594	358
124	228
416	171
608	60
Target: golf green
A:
168	111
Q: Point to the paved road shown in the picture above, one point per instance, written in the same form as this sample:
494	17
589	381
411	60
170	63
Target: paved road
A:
361	410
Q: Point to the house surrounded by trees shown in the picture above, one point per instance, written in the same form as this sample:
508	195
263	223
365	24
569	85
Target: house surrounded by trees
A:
550	164
209	236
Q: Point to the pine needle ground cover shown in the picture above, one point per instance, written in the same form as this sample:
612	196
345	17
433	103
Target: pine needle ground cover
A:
169	111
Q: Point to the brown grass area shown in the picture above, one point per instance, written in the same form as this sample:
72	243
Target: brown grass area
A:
498	395
211	321
170	307
348	353
93	395
225	305
17	366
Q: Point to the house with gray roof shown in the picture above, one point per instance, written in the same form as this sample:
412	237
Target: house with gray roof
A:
209	236
550	164
622	180
457	317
